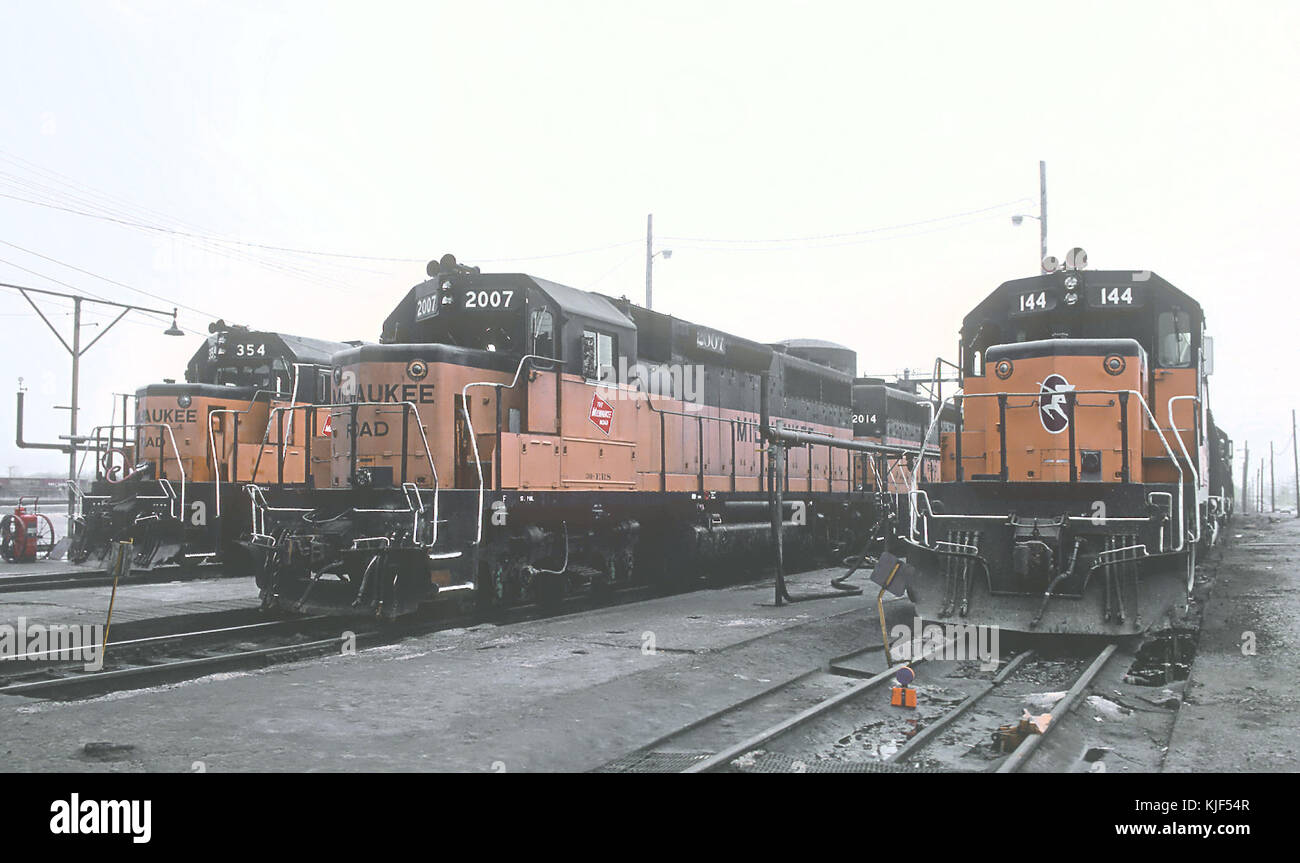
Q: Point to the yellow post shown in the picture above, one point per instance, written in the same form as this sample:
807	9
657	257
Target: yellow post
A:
120	560
880	609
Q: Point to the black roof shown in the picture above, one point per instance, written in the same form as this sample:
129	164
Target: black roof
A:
996	306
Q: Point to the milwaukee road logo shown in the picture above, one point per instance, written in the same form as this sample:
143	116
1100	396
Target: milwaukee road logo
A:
602	413
1051	403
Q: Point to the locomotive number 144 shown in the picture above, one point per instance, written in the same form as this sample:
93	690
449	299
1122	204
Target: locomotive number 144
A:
1032	302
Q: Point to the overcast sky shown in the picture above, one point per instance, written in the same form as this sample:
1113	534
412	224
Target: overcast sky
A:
513	134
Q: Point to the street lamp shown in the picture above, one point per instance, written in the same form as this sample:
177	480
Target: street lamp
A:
1019	218
650	256
76	351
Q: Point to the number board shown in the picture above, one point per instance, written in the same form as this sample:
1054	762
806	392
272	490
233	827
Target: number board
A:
1123	296
426	301
1032	302
487	300
867	425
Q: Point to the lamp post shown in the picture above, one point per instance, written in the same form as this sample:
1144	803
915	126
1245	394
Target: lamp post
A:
1019	218
650	255
77	351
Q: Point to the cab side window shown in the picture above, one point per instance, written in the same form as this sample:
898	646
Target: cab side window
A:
597	355
1174	339
543	333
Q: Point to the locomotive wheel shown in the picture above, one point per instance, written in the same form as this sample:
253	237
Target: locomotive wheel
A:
505	584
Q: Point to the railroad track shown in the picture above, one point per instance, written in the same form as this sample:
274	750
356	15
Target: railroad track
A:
95	578
838	719
170	657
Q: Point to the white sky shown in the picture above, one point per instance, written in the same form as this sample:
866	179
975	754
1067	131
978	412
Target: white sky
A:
514	129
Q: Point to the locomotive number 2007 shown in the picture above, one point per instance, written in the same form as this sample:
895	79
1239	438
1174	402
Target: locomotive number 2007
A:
488	299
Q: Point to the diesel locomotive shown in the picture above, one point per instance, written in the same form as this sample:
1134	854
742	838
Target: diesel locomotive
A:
512	440
1084	469
171	481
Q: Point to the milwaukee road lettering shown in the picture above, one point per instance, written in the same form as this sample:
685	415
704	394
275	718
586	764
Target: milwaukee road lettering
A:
167	416
151	437
365	428
421	394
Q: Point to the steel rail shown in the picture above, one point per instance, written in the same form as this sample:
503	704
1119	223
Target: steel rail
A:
929	732
1026	750
718	759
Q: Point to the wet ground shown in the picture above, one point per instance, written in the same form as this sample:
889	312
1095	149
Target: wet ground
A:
564	693
1242	706
577	691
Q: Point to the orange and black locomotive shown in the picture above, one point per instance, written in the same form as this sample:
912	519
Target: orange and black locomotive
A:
171	481
515	440
1084	470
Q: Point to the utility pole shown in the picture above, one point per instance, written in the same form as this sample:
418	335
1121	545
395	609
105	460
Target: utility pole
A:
1042	209
72	406
649	260
650	255
1272	481
1295	458
1261	484
76	350
1245	486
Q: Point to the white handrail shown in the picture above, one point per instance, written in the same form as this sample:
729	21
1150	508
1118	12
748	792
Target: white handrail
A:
916	473
419	424
212	440
175	452
1196	481
473	438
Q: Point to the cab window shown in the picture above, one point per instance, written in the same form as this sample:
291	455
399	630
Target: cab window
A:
543	333
597	354
1174	339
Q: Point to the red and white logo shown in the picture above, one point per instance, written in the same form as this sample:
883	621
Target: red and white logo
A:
328	429
602	414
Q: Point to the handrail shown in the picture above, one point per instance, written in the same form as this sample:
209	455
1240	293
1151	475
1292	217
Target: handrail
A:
180	466
473	438
912	492
700	417
1196	480
424	439
212	440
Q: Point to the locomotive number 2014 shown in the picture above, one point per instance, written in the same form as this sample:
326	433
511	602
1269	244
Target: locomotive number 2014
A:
488	299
